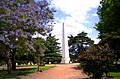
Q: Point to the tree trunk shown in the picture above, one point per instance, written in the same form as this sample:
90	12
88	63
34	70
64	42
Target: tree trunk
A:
98	76
13	61
9	66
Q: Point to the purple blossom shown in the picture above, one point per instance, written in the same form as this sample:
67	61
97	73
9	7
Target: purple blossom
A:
16	32
7	39
28	34
11	46
25	36
42	3
11	2
1	38
16	46
21	33
24	27
10	21
28	49
26	43
11	32
8	14
24	20
16	17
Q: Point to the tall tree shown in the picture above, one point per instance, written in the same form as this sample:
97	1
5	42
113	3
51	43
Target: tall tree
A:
78	44
109	24
19	20
108	12
52	53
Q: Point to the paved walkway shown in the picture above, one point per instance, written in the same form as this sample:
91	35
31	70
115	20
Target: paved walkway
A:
64	71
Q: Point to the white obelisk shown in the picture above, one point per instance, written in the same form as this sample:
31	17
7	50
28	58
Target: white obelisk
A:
65	50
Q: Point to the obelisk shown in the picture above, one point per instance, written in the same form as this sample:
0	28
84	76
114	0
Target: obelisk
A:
65	50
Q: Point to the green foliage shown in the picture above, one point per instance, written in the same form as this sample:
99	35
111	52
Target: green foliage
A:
49	51
114	44
51	54
108	12
109	24
78	44
39	43
97	60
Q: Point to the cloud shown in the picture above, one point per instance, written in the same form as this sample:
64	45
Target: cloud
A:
94	15
78	12
76	8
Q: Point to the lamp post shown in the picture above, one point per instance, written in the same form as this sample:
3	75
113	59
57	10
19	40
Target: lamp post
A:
38	53
50	27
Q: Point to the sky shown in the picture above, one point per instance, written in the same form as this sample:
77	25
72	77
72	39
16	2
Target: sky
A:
78	16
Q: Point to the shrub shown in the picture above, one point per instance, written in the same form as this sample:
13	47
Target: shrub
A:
97	60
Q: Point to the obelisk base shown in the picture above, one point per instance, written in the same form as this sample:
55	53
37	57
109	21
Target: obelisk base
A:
65	60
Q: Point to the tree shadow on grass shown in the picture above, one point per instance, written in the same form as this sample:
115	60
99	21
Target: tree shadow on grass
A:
76	68
115	68
114	73
16	74
26	71
83	78
9	76
104	77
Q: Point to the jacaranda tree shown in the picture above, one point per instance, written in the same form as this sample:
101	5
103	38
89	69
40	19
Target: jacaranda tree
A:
19	20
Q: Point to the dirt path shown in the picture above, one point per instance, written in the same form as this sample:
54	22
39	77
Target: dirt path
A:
64	71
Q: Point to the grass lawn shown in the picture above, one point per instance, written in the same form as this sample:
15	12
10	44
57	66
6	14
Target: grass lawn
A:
115	72
115	75
21	72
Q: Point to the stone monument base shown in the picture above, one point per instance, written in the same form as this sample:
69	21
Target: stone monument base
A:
65	60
